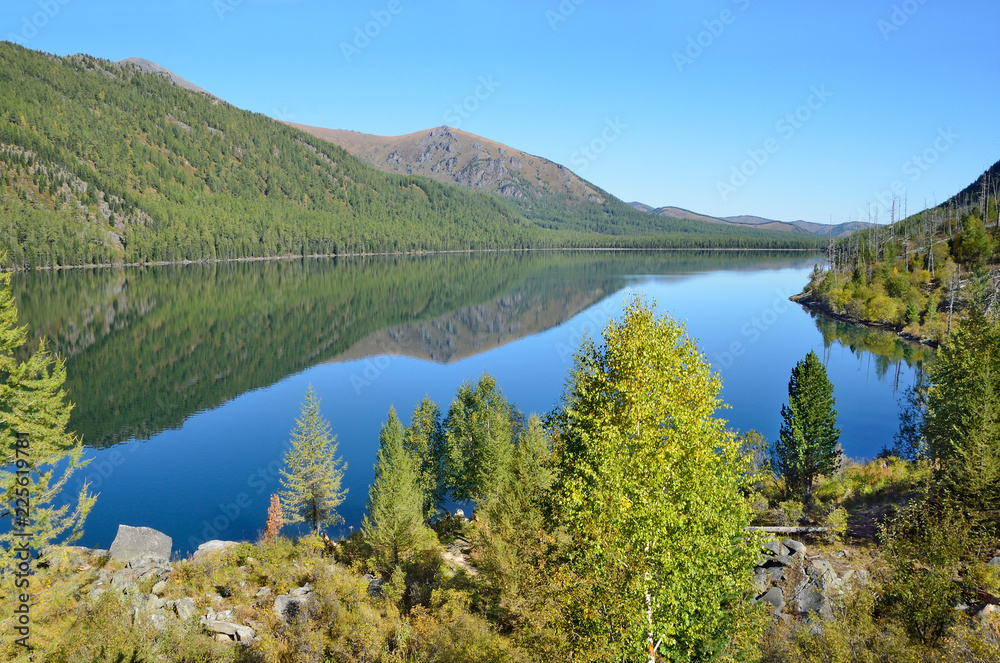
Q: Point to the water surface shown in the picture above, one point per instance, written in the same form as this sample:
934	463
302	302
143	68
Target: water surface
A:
187	379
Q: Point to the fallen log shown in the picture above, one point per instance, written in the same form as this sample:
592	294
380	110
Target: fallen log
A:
788	530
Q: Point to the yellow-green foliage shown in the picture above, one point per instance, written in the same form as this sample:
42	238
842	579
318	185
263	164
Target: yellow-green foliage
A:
855	633
882	479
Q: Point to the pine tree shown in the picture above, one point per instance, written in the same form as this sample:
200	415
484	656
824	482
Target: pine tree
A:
479	440
394	525
33	407
424	441
312	482
807	444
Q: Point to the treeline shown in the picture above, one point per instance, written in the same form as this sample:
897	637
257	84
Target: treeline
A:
918	273
101	162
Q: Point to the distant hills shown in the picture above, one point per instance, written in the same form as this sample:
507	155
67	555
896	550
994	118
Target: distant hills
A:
834	230
453	156
120	162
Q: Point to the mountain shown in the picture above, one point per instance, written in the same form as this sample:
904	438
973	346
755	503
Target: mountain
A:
547	192
153	68
104	162
457	157
807	227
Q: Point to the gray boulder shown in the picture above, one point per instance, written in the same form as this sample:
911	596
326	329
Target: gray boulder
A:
301	591
212	547
289	607
186	608
995	561
780	560
775	548
775	597
794	547
236	632
135	542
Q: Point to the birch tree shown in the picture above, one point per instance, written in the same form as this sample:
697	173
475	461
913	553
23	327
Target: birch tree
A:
651	490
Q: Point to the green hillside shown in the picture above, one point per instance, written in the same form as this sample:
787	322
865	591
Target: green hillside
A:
103	163
918	274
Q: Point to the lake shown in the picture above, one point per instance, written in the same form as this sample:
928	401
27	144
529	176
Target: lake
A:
187	379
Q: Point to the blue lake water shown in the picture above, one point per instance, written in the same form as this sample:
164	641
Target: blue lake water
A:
188	379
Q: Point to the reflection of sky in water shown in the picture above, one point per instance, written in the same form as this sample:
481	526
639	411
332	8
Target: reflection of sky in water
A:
212	477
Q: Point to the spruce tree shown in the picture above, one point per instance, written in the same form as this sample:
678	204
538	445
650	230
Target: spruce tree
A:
394	525
807	444
479	440
312	481
36	468
962	425
424	441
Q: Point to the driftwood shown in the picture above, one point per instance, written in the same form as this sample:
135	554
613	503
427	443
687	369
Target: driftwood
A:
789	530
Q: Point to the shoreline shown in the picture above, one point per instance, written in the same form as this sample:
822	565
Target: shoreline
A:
210	261
804	300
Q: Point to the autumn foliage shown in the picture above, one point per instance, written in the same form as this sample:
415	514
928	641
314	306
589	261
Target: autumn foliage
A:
274	520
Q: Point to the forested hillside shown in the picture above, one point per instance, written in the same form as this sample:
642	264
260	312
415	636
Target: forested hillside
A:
102	162
920	273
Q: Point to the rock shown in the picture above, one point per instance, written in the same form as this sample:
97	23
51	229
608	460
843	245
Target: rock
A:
775	597
302	591
160	587
159	621
186	608
212	547
154	603
775	548
136	542
263	592
820	568
289	607
794	547
124	581
777	572
761	581
234	631
995	561
780	560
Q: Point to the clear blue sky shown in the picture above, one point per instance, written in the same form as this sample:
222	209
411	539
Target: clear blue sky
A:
669	98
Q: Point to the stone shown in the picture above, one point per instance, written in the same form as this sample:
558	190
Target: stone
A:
263	592
301	591
812	598
780	560
154	603
775	597
775	548
235	631
124	581
821	568
160	587
159	621
777	572
761	581
794	547
136	542
212	547
995	561
289	607
185	608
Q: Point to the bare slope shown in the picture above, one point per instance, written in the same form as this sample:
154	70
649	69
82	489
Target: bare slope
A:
458	157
